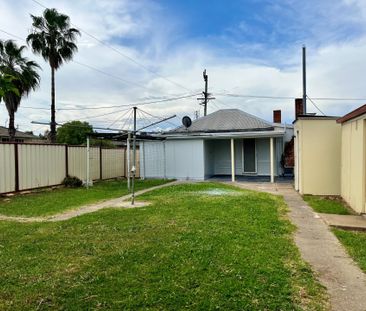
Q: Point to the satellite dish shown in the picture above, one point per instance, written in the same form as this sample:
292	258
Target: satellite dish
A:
186	121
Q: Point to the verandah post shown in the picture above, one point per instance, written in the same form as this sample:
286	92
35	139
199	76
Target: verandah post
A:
271	154
232	149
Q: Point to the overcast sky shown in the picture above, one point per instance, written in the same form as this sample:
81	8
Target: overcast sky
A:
250	47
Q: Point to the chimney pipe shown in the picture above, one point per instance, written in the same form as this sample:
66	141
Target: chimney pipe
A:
299	107
277	116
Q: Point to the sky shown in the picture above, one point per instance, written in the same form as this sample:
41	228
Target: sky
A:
145	51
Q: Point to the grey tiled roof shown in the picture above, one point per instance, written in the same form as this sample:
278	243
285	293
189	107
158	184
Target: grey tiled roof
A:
226	120
4	133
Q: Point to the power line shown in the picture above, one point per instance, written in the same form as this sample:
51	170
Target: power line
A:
255	96
105	73
220	94
120	53
134	104
77	126
12	35
110	75
101	115
149	103
340	99
89	66
315	105
115	106
288	97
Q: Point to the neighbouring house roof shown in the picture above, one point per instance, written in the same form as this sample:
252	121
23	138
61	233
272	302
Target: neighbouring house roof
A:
18	134
226	120
353	114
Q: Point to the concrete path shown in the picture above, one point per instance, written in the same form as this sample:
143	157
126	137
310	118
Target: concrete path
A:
347	222
336	270
120	202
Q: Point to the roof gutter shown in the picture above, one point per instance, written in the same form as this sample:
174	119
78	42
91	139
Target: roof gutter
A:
263	134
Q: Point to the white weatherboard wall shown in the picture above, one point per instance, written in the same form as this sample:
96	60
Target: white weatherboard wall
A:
153	159
199	159
7	168
218	159
184	159
263	156
177	159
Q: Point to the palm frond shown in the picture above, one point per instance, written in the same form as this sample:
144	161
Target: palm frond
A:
53	38
23	71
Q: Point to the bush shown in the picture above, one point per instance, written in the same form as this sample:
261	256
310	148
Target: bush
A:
72	182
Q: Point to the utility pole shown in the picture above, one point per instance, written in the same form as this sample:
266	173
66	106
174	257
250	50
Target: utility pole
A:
134	156
304	79
206	95
205	78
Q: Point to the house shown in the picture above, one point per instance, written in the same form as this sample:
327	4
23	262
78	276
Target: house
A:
353	158
20	137
228	142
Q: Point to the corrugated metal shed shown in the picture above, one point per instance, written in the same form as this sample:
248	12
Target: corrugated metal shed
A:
226	120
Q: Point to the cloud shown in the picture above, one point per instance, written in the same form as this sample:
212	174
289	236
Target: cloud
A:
142	30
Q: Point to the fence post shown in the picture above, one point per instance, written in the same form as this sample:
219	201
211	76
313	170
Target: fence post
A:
67	160
100	163
16	166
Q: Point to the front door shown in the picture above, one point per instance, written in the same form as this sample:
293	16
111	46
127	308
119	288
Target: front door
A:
249	156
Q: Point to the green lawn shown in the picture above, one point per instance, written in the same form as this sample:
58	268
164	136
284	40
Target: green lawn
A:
48	202
355	243
327	205
198	246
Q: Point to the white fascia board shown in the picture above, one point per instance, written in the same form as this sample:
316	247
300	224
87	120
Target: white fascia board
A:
264	134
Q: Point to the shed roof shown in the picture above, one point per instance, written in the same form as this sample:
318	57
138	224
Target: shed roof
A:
353	114
226	120
4	132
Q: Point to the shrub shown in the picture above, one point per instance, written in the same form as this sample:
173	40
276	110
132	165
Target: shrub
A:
72	182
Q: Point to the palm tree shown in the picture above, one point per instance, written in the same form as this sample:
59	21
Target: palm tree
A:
22	74
6	85
54	39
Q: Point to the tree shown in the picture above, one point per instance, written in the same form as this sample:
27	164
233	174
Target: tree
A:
6	85
24	78
104	143
45	135
53	39
74	133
